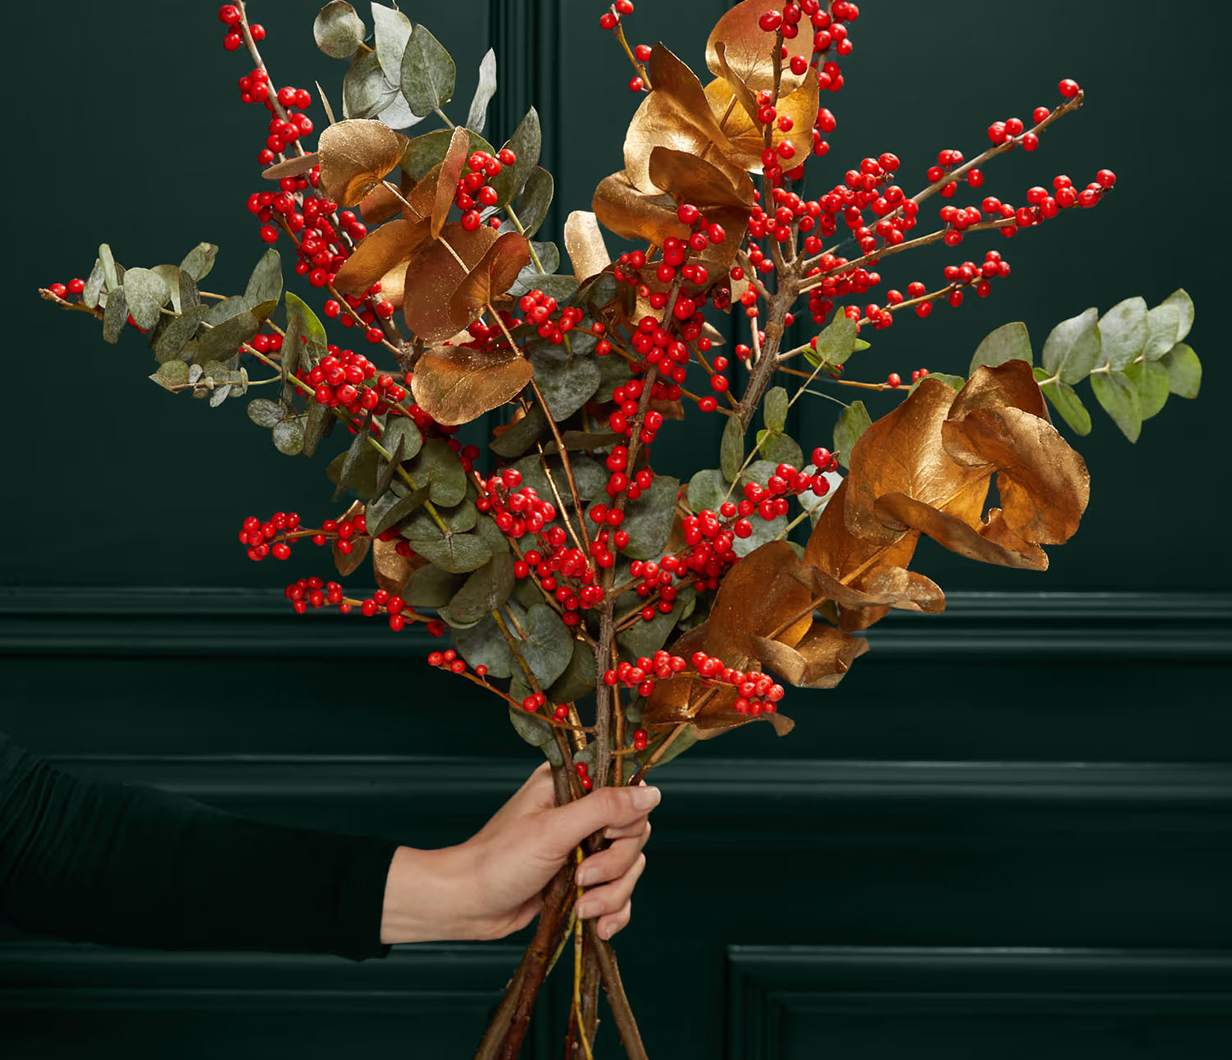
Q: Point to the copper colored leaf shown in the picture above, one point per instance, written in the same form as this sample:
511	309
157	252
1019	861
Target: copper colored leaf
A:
754	601
585	246
491	277
348	562
382	250
634	214
745	133
392	571
291	167
820	660
687	178
961	537
355	156
884	586
750	49
393	285
739	91
454	384
447	179
433	277
675	115
380	204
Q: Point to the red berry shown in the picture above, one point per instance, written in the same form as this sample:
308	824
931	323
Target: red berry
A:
1068	88
229	14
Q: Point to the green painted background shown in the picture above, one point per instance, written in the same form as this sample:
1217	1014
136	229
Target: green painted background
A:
1009	832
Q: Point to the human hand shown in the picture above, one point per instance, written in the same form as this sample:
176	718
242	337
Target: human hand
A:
491	885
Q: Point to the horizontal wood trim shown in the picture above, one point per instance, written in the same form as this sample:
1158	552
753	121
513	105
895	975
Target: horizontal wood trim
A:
205	622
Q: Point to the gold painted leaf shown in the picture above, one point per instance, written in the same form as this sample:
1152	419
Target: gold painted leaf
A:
585	246
960	536
750	49
355	156
380	251
456	384
635	214
392	571
820	660
448	177
434	275
885	586
493	276
740	92
745	132
291	167
687	178
754	601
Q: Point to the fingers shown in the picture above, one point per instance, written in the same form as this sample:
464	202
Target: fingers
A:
609	925
612	900
614	861
625	807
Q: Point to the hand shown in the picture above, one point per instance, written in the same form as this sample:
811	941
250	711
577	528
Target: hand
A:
491	885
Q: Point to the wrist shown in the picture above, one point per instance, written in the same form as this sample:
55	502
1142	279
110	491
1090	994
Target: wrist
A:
426	897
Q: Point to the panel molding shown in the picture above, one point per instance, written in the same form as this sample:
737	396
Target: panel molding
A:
1136	628
770	985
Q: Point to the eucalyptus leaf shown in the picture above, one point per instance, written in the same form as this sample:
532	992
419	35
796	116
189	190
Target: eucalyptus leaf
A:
533	729
179	333
312	328
534	203
365	91
115	316
289	436
649	519
1066	401
349	471
775	407
265	413
199	261
1163	327
578	680
423	153
338	30
485	590
779	448
526	143
707	490
646	638
567	383
731	448
146	293
548	646
486	89
1073	347
391	29
171	375
1123	332
266	279
1010	342
854	421
1185	311
1184	371
389	509
456	553
1120	400
479	645
94	285
1150	379
835	344
522	435
441	467
402	429
428	74
318	416
397	113
111	271
429	586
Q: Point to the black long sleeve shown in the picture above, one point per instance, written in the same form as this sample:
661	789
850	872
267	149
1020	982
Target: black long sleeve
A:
134	866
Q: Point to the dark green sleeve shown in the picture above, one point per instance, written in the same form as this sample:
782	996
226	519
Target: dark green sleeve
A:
134	866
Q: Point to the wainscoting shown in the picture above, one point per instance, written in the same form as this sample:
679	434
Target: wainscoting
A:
1008	832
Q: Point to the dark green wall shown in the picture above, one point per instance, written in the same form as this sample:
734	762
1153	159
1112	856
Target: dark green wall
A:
1008	832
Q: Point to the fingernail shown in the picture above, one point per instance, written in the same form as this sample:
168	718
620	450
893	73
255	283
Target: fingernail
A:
646	798
587	909
605	932
586	876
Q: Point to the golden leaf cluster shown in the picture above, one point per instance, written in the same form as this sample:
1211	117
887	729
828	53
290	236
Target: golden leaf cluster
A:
925	468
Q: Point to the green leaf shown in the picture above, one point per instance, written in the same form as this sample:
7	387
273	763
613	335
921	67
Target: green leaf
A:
429	586
486	89
1184	371
1185	311
94	285
835	344
481	644
562	288
954	382
458	519
397	114
456	553
1163	327
365	92
484	591
731	448
1122	332
318	416
189	295
170	275
762	532
578	680
224	340
534	203
289	436
1120	401
265	283
111	272
392	30
428	74
522	435
424	152
441	468
338	30
591	477
648	520
115	316
779	448
526	142
313	329
390	509
1073	347
707	489
567	382
171	374
403	430
146	293
529	279
264	413
548	646
348	472
854	421
199	261
1150	379
775	408
1066	402
646	638
1010	342
533	729
179	333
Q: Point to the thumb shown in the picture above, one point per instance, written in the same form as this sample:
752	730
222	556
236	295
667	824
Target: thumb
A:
566	826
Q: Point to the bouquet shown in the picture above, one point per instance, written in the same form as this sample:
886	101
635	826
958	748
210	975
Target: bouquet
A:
615	615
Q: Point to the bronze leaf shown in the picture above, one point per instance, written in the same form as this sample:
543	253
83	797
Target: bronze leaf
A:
585	246
355	156
382	250
456	384
750	49
434	275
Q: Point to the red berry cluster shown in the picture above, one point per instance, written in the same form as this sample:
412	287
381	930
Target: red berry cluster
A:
517	512
540	309
474	192
640	739
611	17
280	132
349	380
451	661
315	593
229	16
757	693
270	537
581	768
